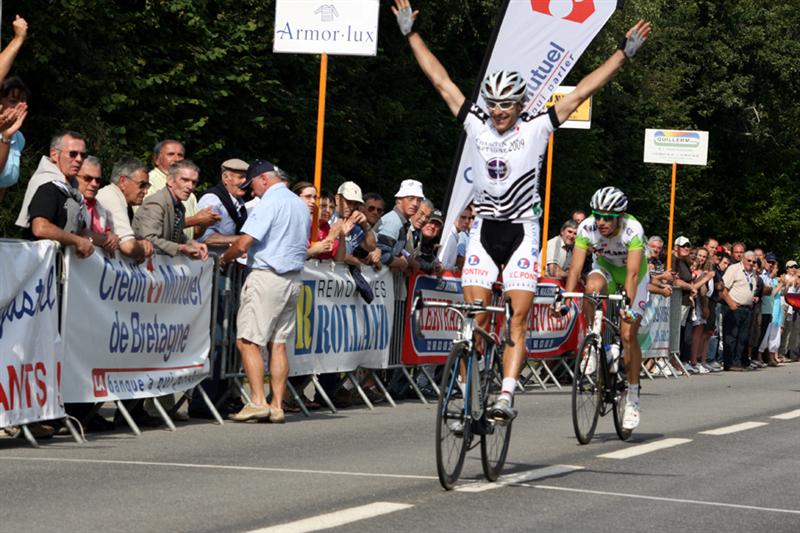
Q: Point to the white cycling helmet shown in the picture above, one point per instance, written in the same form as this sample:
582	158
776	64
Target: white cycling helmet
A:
504	85
609	200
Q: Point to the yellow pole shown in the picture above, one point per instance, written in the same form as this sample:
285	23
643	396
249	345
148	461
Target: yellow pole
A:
323	81
546	224
671	216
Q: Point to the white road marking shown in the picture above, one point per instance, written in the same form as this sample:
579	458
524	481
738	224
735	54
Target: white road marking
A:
662	499
744	426
519	477
219	467
787	416
642	449
335	519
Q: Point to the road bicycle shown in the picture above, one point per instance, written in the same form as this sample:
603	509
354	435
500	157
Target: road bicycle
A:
470	384
599	383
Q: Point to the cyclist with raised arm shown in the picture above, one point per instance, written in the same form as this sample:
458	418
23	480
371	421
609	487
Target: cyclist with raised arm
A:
618	242
506	147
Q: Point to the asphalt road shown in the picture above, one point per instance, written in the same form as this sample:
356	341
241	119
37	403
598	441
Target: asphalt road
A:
375	470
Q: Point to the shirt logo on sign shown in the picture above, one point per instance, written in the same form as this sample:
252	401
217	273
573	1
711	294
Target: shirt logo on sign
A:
573	10
474	260
498	169
524	263
326	12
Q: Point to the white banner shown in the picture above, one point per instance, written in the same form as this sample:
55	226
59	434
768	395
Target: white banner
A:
542	39
337	331
30	347
654	332
343	27
676	146
134	330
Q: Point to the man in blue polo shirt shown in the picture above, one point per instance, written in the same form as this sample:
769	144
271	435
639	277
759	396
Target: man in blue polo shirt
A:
274	239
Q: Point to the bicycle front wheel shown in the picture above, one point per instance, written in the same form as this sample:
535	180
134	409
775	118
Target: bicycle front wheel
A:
620	392
587	389
452	425
496	437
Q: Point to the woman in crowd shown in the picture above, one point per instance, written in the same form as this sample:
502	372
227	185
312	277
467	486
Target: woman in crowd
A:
327	245
703	284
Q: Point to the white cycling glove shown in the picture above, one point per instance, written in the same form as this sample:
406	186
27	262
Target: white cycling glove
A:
630	45
405	20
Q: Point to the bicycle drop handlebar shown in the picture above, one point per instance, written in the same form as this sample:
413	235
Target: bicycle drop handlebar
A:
559	307
463	309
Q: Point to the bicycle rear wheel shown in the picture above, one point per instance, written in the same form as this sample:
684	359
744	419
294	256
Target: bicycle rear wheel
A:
496	437
452	426
587	389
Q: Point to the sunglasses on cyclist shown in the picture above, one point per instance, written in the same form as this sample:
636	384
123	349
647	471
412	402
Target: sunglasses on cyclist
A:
608	217
503	105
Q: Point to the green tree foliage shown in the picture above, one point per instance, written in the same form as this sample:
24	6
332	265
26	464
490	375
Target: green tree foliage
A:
127	74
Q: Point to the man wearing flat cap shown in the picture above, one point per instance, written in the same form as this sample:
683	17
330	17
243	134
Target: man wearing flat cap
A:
225	199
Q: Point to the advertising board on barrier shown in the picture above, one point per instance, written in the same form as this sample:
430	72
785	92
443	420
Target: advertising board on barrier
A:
548	336
30	347
134	330
654	331
438	326
337	331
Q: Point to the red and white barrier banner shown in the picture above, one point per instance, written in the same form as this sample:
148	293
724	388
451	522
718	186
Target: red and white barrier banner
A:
541	39
134	330
438	326
654	330
337	330
548	336
30	347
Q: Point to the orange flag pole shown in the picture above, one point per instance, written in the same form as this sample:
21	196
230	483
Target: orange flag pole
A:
671	216
546	224
323	82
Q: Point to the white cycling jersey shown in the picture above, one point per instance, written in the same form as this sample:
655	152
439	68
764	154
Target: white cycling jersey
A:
506	168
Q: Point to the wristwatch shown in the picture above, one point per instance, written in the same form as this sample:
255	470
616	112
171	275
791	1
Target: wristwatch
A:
4	139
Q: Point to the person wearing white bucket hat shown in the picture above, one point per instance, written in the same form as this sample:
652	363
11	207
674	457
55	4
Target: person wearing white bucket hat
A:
392	234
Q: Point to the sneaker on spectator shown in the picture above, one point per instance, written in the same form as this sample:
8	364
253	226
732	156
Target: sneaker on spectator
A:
276	416
689	368
707	367
716	367
700	369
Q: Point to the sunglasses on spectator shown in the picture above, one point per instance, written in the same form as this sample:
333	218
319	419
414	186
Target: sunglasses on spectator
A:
504	105
75	153
605	216
143	185
373	208
98	179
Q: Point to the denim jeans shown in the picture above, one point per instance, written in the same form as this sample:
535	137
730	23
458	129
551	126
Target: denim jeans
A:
736	331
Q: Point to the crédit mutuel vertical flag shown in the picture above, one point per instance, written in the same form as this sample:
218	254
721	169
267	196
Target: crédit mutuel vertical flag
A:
542	39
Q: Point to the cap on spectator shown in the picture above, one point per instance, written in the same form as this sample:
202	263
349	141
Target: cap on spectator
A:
791	263
436	216
351	192
410	188
681	241
236	165
771	258
256	168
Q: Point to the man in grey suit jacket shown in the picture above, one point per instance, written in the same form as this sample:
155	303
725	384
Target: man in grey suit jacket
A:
161	217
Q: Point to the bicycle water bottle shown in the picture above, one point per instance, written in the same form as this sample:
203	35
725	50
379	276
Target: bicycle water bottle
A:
612	357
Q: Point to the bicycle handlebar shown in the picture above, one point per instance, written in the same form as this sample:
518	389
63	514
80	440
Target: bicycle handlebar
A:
468	308
621	297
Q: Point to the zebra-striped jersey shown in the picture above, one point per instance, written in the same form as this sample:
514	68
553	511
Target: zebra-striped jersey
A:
506	168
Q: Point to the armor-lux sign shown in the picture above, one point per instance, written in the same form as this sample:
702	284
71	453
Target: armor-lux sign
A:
341	27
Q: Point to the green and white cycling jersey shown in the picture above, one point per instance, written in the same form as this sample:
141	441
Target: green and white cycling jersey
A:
611	253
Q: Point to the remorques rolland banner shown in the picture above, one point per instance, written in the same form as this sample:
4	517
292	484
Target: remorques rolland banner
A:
542	39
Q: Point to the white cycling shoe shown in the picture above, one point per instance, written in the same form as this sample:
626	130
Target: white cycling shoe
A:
630	418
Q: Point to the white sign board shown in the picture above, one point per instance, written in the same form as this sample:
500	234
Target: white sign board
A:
343	27
675	146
